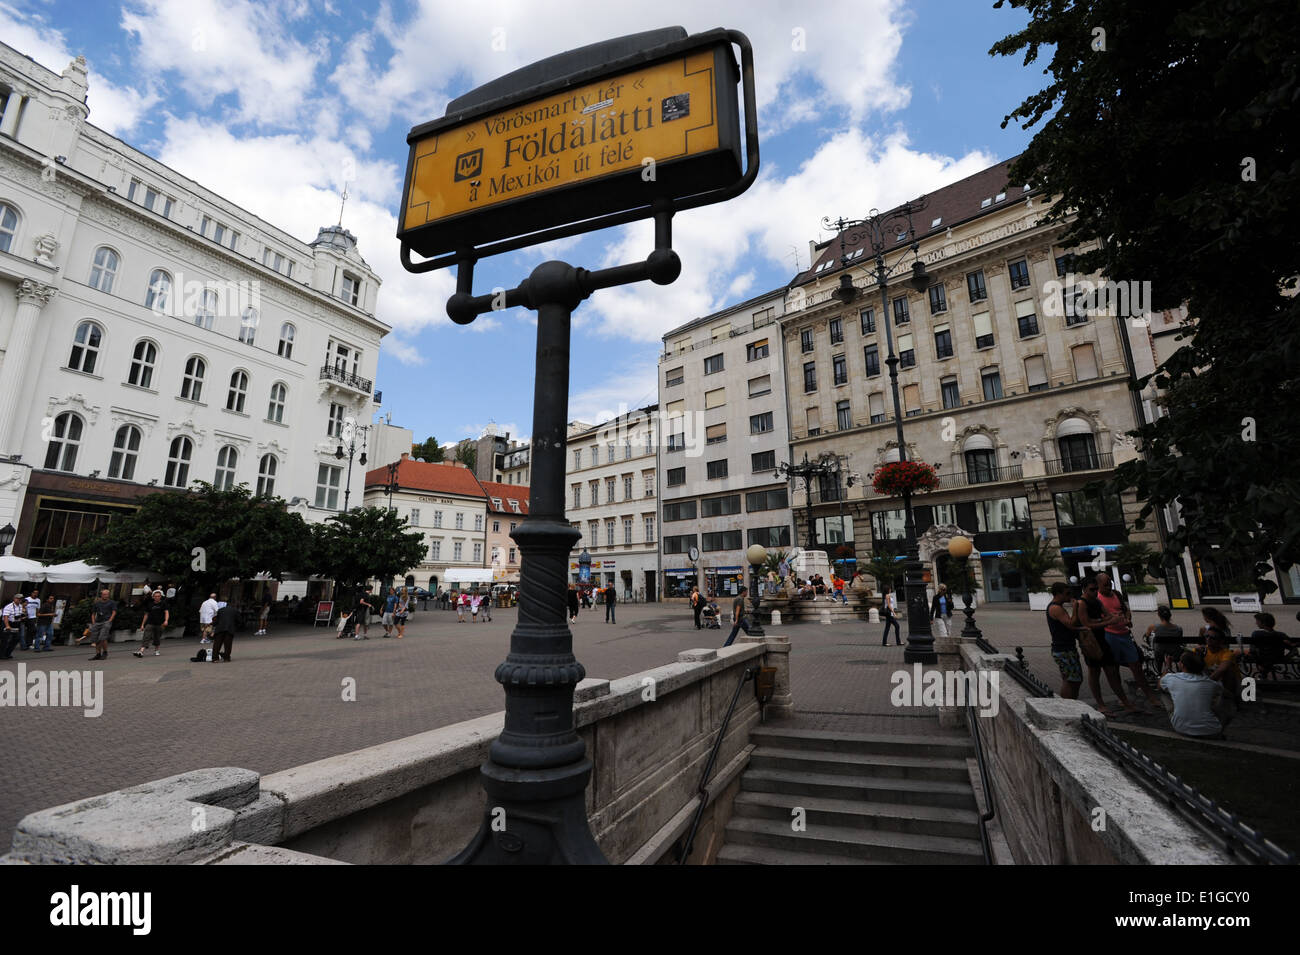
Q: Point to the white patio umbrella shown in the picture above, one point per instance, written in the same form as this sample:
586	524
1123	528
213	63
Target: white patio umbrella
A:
80	572
21	568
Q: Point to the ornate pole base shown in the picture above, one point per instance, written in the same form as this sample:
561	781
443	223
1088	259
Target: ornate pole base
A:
920	641
756	595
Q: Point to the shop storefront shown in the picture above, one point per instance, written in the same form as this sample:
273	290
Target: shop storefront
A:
679	581
724	581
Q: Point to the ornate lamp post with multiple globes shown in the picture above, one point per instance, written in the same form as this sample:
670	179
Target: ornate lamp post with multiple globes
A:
876	230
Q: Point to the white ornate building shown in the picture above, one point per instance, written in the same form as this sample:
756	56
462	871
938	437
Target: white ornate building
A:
154	333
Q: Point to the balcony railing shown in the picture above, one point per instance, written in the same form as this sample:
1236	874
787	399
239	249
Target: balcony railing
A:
1012	472
329	373
1090	462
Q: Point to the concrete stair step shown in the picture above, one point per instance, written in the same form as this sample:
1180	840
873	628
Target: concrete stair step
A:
860	764
871	845
883	789
858	814
957	746
731	854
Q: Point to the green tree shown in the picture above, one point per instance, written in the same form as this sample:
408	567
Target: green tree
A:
467	452
430	450
1168	130
201	538
362	543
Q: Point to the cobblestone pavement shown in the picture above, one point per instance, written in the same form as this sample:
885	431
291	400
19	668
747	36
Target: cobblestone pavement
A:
280	703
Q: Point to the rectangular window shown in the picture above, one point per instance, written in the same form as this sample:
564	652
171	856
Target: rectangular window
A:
1002	514
716	469
942	342
435	550
595	492
577	495
437	518
767	500
460	521
814	417
720	506
1085	362
649	522
512	555
759	386
609	533
577	459
715	398
951	394
715	434
1026	319
760	423
843	416
1035	373
676	477
627	487
609	454
609	490
911	400
1064	264
763	461
810	376
593	533
837	331
871	354
983	330
712	364
756	350
975	285
770	536
1087	509
649	478
721	540
627	530
1075	309
806	340
457	550
679	544
721	331
679	511
674	376
938	301
868	319
478	522
478	552
906	352
876	407
676	441
992	383
327	486
840	370
1018	272
415	517
901	314
335	427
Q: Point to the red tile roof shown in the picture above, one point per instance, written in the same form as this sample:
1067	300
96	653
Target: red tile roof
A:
439	478
952	204
507	493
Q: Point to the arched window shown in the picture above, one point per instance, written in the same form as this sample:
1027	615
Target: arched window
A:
248	325
8	226
227	461
192	382
266	469
286	340
142	361
981	459
238	391
178	462
275	408
65	439
85	348
159	295
1077	446
126	449
103	271
206	313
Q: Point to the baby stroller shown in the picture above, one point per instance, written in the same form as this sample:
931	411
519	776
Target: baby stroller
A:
710	617
347	625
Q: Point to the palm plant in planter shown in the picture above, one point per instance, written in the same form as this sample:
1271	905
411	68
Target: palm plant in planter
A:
884	567
1035	559
1139	558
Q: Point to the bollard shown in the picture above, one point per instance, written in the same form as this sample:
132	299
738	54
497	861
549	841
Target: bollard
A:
873	615
826	616
776	618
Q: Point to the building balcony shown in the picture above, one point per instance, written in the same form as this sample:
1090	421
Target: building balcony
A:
340	377
971	476
1090	462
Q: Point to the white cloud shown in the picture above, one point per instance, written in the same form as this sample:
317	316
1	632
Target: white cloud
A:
228	48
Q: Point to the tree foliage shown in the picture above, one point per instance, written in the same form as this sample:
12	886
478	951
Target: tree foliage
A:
202	538
362	543
467	452
884	566
430	450
1171	136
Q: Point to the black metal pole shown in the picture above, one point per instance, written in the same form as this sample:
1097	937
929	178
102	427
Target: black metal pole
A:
970	631
537	770
756	595
347	490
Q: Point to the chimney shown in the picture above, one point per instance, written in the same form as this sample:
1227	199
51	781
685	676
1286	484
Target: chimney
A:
406	455
812	252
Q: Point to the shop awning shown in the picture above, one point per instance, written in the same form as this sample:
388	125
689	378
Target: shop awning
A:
80	572
468	575
18	569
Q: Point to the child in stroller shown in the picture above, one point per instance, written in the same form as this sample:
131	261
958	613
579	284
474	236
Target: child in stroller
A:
347	625
710	616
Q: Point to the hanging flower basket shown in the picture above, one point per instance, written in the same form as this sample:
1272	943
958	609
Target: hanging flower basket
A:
898	477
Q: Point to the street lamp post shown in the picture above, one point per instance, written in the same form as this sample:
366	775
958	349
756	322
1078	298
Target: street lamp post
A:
757	556
340	453
876	230
7	535
826	463
960	548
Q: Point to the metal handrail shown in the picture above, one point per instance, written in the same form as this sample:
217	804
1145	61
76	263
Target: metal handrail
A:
1019	671
328	373
1234	836
987	816
1097	461
982	642
703	791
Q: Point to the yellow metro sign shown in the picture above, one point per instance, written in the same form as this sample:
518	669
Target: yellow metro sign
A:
667	129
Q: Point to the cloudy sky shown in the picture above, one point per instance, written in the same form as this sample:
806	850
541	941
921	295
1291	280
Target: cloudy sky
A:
278	104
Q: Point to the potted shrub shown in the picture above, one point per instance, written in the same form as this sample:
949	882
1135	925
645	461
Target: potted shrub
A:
1243	593
1138	558
896	477
1035	559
